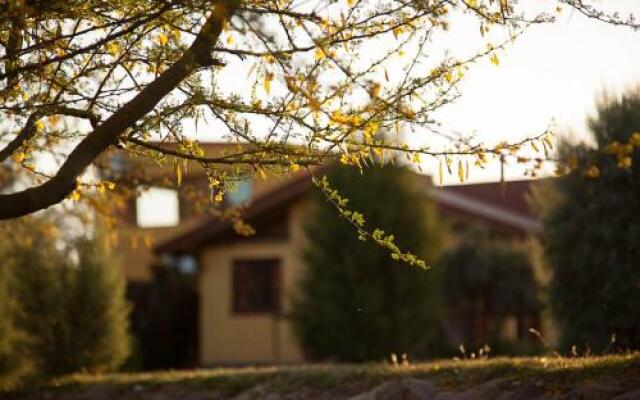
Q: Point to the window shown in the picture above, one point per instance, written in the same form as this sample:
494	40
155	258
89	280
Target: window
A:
256	286
240	193
117	164
157	207
185	263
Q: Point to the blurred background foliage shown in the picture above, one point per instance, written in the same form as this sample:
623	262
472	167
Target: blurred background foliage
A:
592	232
355	302
63	300
488	284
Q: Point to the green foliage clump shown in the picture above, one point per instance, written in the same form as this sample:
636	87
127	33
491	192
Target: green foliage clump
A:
356	302
592	233
69	301
12	365
488	279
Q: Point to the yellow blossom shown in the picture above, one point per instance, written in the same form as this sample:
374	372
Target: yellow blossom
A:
19	157
113	48
267	82
624	162
39	125
344	159
593	171
163	39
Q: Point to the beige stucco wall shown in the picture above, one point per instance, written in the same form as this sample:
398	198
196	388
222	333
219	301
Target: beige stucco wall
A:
134	251
134	248
227	338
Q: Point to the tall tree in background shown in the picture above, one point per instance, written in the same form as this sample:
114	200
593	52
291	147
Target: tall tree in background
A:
592	230
80	77
70	303
355	302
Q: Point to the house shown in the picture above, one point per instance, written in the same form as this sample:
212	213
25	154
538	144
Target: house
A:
159	208
244	282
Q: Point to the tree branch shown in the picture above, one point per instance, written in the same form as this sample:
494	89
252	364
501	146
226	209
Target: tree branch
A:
64	182
25	134
15	72
29	128
245	157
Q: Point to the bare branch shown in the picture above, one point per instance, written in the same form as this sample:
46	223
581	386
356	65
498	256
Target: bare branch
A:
29	130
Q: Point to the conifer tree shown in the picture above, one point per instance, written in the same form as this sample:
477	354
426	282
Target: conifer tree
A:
592	233
69	298
12	366
356	303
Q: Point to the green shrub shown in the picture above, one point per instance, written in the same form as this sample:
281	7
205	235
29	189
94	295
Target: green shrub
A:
12	366
593	236
486	281
355	303
96	311
70	300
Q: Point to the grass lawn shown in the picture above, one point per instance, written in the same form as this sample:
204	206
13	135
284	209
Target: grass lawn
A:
553	374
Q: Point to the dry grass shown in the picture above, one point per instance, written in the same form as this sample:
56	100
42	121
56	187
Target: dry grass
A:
554	372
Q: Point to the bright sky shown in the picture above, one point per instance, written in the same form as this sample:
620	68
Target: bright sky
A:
553	72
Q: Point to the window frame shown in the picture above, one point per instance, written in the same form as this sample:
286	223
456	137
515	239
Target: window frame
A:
275	264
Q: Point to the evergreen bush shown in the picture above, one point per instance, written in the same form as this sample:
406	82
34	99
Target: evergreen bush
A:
69	300
355	303
593	233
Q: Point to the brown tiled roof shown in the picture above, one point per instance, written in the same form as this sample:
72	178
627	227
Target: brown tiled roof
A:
503	204
512	195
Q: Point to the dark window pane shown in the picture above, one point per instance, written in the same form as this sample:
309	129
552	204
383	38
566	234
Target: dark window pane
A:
256	286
